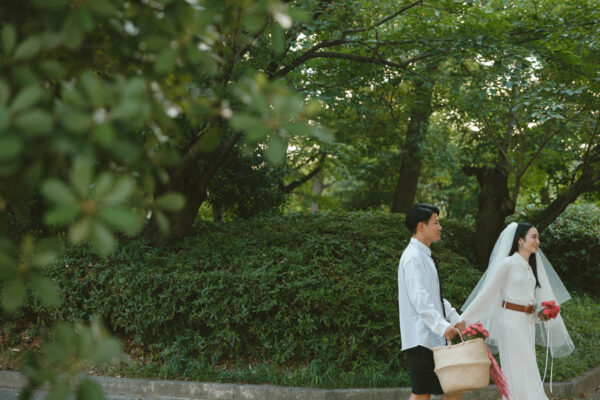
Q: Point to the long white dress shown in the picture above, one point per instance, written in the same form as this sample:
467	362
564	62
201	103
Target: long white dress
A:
515	282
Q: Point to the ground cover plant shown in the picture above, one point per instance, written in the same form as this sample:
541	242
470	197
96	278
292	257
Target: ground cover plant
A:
307	300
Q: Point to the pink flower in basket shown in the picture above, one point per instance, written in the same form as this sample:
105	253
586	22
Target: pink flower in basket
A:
475	331
550	310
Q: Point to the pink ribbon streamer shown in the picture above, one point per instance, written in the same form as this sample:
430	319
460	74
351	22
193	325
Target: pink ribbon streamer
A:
498	377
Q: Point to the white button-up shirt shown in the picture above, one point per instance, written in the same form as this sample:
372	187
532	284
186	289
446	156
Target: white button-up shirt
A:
421	320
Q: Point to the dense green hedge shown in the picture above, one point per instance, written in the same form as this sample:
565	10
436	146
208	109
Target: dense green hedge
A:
305	300
295	292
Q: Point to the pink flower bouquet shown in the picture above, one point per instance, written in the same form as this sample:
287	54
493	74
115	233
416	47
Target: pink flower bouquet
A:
475	331
550	310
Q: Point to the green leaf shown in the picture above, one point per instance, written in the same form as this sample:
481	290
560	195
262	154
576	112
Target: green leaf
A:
165	61
46	252
254	21
72	32
171	201
105	352
9	38
162	221
89	390
86	22
58	193
26	98
275	153
77	122
122	219
35	122
80	230
134	88
210	138
58	391
13	295
52	69
82	172
287	106
45	290
4	93
10	147
93	87
102	185
61	215
299	128
124	187
102	8
322	134
277	39
104	134
8	267
255	129
4	119
28	48
101	238
72	97
64	335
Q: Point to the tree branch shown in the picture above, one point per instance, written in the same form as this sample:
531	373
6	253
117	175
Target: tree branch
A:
293	185
384	20
352	57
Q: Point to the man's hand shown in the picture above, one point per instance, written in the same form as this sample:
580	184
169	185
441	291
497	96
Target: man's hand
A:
450	333
461	326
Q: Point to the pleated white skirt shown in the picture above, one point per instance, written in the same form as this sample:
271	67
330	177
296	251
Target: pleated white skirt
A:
516	345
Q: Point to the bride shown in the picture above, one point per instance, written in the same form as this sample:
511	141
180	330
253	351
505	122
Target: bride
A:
506	301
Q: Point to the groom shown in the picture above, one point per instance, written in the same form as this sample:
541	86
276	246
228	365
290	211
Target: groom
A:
424	322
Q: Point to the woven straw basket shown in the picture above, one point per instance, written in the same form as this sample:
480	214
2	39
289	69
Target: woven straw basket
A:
462	367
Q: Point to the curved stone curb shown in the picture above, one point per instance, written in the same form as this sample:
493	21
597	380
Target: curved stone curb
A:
164	389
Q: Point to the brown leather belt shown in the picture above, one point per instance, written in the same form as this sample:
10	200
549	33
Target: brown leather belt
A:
530	309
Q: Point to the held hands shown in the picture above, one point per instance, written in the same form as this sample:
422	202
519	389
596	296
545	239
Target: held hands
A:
450	332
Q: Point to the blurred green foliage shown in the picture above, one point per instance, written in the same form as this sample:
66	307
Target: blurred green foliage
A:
89	92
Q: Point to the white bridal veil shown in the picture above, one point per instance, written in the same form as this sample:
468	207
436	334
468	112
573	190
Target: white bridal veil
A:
553	333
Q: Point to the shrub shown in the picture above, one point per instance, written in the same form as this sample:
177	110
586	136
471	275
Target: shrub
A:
302	291
306	300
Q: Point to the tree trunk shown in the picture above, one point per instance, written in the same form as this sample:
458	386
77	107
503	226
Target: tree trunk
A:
495	204
191	179
318	188
188	183
217	212
412	158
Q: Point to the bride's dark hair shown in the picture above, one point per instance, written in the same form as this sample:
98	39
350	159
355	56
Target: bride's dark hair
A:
520	233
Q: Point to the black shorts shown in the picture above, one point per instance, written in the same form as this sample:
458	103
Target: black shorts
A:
420	365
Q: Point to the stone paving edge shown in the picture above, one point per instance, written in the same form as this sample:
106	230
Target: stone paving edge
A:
586	382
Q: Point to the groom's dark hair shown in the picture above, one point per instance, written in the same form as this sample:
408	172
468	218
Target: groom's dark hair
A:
419	213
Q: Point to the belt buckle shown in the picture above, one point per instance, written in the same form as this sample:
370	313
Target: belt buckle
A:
530	309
